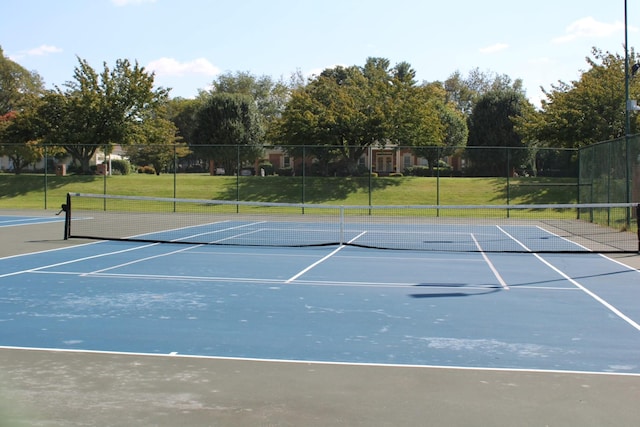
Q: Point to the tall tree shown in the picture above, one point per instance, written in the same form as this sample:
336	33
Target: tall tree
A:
339	114
432	127
269	95
588	110
494	146
99	109
464	92
20	91
17	85
18	139
228	131
156	142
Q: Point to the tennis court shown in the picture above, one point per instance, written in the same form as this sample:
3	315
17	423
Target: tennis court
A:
342	309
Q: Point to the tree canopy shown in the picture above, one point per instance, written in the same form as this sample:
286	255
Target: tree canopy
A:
587	110
492	132
99	109
333	117
228	131
18	86
343	111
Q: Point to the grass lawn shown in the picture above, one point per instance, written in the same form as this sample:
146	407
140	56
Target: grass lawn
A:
28	191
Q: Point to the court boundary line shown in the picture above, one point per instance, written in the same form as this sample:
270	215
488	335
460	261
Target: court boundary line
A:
620	263
29	221
222	230
42	267
135	261
592	294
318	362
577	284
184	249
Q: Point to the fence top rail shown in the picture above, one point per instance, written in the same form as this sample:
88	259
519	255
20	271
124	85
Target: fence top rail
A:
381	207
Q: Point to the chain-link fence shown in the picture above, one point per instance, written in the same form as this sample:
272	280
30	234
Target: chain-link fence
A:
310	174
601	173
610	171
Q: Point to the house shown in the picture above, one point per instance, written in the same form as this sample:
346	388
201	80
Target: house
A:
382	160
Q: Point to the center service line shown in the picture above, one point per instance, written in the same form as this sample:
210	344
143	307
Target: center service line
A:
490	264
326	257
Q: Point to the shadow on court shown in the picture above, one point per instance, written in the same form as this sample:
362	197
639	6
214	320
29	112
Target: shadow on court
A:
439	290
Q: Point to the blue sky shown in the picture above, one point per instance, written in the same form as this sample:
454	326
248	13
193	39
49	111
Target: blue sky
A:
188	42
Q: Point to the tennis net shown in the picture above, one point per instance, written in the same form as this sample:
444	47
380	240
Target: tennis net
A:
555	228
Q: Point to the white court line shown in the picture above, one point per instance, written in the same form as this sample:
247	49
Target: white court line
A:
135	261
619	263
174	354
514	239
271	282
565	239
28	221
579	285
335	251
31	270
216	231
590	293
490	264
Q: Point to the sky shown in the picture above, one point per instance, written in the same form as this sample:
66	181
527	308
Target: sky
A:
187	43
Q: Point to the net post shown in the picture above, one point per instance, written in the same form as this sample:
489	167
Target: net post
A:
67	217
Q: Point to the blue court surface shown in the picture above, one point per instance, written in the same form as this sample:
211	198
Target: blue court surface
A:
336	304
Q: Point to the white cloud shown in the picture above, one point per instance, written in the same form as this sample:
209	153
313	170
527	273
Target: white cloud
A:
589	28
43	50
172	67
37	51
128	2
494	48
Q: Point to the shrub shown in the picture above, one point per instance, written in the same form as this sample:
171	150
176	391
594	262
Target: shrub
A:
418	171
147	169
122	166
285	171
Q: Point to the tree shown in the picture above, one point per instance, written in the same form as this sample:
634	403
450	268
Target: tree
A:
18	140
17	85
156	144
587	110
19	93
98	110
270	96
434	127
182	113
464	92
228	131
494	145
343	111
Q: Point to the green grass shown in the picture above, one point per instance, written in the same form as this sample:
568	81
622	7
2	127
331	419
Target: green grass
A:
28	191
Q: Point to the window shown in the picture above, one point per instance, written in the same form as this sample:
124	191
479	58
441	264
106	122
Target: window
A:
406	161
